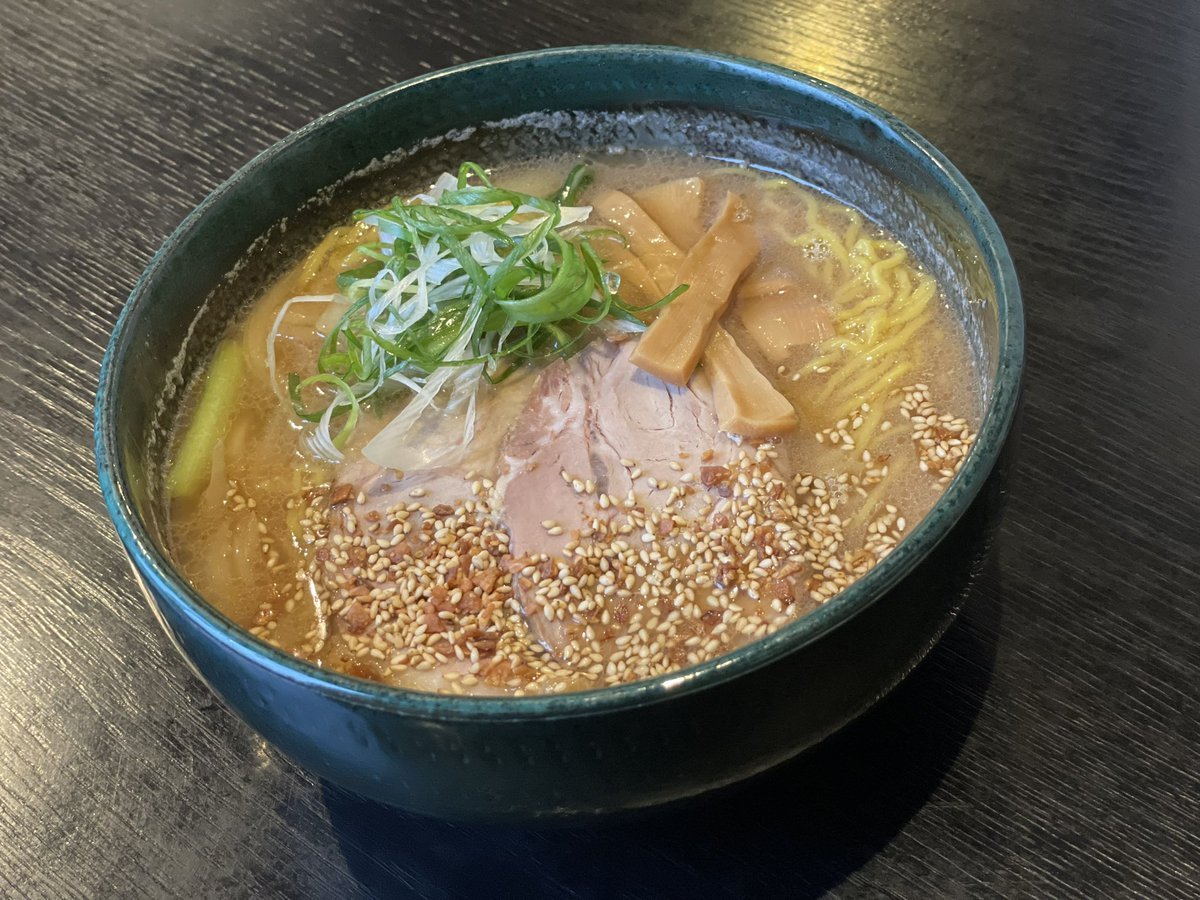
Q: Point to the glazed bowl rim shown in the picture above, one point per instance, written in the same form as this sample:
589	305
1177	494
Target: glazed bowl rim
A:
160	576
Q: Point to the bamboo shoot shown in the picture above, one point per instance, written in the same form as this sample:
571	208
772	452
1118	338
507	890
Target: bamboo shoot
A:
746	401
678	208
637	287
673	344
647	240
780	315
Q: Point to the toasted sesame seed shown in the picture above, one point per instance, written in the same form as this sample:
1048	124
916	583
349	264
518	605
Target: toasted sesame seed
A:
657	594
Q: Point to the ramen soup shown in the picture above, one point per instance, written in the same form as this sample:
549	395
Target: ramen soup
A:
551	426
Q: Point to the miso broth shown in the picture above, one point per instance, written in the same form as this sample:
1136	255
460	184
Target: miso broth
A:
576	521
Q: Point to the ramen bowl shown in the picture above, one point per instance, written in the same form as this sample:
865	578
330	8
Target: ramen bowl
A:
616	748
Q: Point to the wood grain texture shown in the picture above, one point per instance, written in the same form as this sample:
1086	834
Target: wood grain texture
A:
1048	746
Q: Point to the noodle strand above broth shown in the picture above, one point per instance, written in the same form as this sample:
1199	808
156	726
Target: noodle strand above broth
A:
448	466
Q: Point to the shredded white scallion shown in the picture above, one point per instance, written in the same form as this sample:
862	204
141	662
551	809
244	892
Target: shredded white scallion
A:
273	336
397	447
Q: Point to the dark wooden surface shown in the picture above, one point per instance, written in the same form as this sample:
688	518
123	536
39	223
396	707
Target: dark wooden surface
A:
1048	747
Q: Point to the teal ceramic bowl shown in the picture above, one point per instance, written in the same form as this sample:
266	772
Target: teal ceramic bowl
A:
617	748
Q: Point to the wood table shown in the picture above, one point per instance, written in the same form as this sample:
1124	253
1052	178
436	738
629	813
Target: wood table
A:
1047	747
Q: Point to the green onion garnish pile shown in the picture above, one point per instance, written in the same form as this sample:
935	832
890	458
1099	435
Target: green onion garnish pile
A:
467	282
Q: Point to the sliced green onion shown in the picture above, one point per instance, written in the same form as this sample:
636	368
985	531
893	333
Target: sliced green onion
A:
347	279
575	184
482	275
349	408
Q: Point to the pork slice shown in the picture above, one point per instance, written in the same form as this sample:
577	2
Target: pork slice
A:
550	437
665	430
383	489
446	483
585	416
